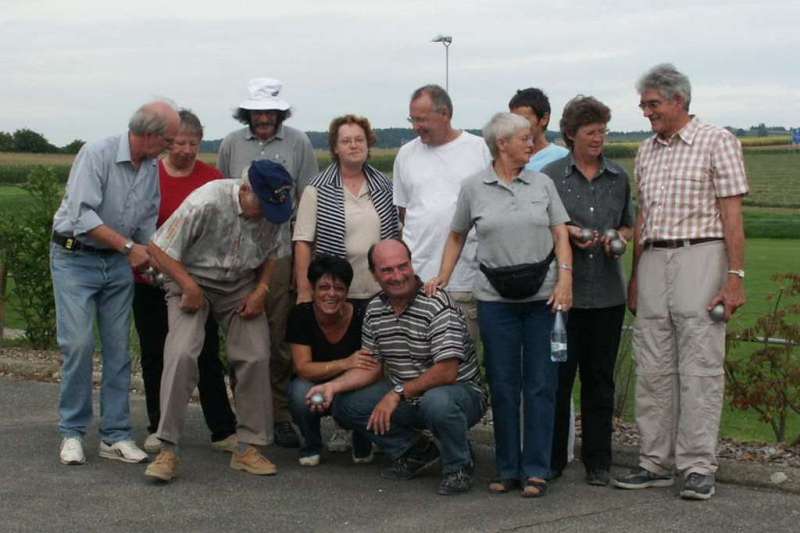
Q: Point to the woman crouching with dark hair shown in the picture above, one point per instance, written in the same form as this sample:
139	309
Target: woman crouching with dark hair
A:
325	337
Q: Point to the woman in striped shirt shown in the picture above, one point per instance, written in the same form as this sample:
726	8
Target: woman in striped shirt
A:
345	210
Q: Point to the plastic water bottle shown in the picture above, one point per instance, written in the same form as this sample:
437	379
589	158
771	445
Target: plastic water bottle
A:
558	340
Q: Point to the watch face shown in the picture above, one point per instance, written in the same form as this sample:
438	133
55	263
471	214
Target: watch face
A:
399	389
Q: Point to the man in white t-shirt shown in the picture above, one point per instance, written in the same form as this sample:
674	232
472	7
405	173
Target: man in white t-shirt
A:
534	105
428	173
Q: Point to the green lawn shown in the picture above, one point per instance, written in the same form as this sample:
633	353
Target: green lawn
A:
764	258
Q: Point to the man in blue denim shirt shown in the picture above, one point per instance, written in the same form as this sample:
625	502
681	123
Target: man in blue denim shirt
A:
100	233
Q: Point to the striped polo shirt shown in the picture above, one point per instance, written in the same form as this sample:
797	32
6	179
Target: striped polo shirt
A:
429	330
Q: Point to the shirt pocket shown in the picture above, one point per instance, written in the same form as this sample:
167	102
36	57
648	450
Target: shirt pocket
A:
537	207
612	202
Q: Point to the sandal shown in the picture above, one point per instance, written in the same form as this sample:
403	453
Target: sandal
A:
501	486
534	488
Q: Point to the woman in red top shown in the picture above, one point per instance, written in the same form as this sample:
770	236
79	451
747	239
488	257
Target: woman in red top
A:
180	173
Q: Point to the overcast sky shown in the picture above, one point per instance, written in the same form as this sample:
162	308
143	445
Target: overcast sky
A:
79	68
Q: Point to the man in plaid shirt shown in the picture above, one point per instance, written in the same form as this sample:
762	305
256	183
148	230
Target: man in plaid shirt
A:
689	257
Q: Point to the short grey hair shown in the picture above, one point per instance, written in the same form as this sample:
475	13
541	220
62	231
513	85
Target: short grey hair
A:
149	119
190	123
668	81
441	100
502	126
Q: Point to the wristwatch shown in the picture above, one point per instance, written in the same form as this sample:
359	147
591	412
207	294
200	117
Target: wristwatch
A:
739	273
128	248
400	390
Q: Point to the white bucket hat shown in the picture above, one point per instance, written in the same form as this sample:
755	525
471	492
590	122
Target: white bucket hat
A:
264	95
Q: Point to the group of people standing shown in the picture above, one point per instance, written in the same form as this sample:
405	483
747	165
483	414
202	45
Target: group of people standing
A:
473	242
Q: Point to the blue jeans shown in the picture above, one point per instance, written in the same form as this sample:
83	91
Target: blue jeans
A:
448	411
307	421
89	287
516	341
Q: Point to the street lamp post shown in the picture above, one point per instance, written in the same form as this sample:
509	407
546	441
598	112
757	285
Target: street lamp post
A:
445	40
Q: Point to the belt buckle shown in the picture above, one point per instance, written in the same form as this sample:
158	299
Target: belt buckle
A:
685	243
69	244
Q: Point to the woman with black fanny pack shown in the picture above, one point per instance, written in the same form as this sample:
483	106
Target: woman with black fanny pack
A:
526	265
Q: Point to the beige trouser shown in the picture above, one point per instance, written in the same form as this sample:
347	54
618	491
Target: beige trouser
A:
247	343
466	302
679	354
279	303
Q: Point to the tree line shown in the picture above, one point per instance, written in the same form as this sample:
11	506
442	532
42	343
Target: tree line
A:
29	141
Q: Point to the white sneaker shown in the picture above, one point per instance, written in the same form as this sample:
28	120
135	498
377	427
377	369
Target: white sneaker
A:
152	444
309	460
72	451
339	441
124	450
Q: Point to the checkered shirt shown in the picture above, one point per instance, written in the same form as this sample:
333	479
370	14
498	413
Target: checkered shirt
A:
680	179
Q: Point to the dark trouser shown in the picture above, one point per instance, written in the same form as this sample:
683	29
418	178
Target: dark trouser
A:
448	411
592	343
308	421
150	317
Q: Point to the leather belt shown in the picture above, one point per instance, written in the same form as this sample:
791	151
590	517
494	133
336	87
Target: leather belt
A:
680	243
72	244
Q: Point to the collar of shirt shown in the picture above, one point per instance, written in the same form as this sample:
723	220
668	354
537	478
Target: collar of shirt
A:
572	168
235	193
124	148
686	133
250	137
493	178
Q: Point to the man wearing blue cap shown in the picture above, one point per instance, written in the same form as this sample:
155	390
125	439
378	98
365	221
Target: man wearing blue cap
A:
218	250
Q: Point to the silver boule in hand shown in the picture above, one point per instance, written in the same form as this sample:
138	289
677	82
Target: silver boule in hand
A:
611	234
717	313
617	247
317	398
586	235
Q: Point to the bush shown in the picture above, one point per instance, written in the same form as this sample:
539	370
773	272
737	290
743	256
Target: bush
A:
25	244
768	381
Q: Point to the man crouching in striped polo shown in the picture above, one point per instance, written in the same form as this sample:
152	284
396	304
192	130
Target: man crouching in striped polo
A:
432	377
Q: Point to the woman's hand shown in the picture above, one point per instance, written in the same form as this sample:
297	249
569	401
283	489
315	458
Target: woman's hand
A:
561	299
362	359
575	238
436	283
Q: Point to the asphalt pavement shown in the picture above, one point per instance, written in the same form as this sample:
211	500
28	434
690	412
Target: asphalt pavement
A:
37	493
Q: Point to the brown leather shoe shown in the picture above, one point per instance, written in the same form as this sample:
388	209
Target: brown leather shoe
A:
253	462
164	467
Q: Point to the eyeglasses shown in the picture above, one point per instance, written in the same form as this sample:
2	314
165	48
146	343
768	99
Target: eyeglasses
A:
652	105
426	118
352	140
596	133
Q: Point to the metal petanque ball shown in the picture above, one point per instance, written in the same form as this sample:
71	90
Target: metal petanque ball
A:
611	234
317	399
586	235
617	247
717	314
